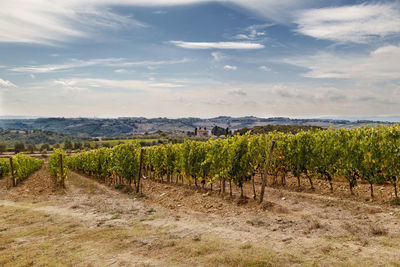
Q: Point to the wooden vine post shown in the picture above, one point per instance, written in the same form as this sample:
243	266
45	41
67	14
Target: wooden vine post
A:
62	170
140	170
265	173
14	182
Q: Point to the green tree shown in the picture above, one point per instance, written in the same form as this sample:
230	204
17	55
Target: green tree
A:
3	148
77	145
68	145
87	145
218	131
31	148
19	147
45	147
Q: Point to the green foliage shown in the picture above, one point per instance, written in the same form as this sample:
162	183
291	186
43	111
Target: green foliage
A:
370	154
218	131
19	147
31	148
45	147
121	160
24	166
279	128
36	137
68	145
3	148
55	165
4	167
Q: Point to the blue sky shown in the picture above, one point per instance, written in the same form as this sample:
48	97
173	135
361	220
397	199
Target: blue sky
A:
170	58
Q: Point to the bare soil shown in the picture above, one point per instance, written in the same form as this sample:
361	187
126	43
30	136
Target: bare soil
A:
90	224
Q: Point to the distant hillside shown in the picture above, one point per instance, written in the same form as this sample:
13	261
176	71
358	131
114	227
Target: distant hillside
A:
34	136
279	128
84	127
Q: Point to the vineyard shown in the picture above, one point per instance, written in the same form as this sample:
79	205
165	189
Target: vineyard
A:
371	155
89	223
19	167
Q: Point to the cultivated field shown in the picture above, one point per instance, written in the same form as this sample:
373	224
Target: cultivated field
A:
90	224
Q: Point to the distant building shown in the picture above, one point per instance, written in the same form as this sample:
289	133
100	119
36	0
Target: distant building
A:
202	132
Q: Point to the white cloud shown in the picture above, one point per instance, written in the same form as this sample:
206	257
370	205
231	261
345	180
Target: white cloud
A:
109	62
93	84
264	68
74	63
150	62
160	12
380	64
238	92
52	22
32	76
217	45
254	32
107	98
242	36
6	84
229	67
218	56
121	71
357	23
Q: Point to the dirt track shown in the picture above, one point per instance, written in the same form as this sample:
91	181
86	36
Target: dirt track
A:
89	224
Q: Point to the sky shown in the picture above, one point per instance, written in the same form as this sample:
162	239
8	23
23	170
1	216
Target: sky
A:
198	58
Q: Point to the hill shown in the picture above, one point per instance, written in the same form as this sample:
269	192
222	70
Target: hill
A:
88	127
278	128
11	136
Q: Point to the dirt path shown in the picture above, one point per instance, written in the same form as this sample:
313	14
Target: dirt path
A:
89	224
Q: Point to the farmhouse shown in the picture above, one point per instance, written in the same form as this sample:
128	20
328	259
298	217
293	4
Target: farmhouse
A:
202	132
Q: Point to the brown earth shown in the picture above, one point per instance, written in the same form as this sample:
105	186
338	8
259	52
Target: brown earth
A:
90	224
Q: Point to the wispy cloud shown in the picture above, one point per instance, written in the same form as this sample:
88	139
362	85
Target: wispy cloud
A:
74	63
94	84
380	64
108	62
253	32
53	22
264	68
238	92
230	67
129	63
217	45
357	23
218	56
6	84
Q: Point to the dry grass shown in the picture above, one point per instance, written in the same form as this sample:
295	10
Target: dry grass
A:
92	225
38	239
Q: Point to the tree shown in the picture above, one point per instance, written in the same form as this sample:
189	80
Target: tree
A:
217	131
3	148
106	144
31	148
87	145
68	145
77	145
19	147
45	147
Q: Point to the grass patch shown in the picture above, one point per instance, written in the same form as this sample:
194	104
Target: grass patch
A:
378	230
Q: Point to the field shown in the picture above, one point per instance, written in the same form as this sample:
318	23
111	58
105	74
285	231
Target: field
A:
90	224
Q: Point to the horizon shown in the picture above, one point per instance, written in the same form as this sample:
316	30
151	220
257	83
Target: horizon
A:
390	119
200	58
